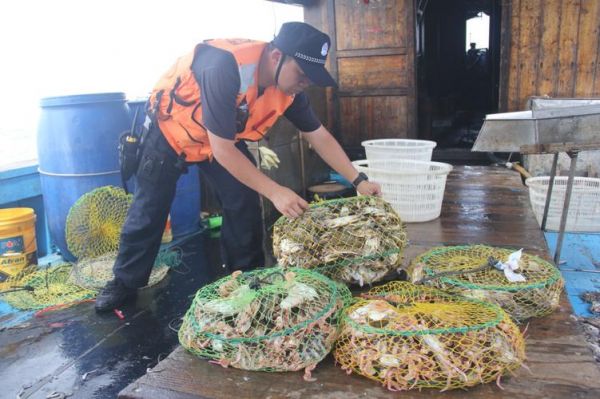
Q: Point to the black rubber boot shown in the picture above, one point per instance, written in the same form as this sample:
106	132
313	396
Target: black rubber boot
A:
113	295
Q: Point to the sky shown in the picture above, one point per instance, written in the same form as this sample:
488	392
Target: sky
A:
63	47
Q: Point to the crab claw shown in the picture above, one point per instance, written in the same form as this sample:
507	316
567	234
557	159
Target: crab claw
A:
498	382
289	276
307	373
236	274
222	362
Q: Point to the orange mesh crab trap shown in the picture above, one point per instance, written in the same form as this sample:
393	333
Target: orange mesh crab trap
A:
411	337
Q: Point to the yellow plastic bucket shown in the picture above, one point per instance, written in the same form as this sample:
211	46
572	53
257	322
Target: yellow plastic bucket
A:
17	242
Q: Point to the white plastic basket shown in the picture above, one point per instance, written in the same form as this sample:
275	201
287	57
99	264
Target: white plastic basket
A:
418	150
584	207
415	189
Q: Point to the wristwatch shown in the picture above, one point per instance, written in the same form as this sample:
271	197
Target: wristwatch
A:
359	179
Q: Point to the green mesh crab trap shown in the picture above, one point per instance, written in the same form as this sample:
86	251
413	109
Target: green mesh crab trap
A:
411	337
95	221
353	240
42	287
94	273
461	270
265	320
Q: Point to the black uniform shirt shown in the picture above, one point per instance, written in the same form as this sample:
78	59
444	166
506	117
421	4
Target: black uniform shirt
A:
217	74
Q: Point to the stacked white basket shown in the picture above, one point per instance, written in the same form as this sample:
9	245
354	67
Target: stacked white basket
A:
584	207
410	182
418	150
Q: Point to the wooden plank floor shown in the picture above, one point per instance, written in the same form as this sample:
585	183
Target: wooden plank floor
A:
483	205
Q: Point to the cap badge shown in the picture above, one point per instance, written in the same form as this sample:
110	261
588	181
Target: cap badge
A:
324	49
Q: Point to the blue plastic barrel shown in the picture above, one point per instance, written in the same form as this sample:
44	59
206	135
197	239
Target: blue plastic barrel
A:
77	151
185	210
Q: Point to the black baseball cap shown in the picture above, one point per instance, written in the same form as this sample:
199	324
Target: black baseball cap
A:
309	47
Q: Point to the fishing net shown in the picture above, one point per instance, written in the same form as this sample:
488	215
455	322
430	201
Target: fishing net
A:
265	320
95	221
37	288
537	296
406	336
352	240
94	273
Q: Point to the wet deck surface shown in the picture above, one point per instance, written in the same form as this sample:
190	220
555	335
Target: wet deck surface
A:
54	353
483	205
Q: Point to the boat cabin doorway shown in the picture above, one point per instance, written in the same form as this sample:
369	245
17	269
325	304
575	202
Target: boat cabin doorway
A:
458	57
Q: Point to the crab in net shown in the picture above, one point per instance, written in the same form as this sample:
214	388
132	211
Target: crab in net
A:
412	337
537	296
353	240
266	320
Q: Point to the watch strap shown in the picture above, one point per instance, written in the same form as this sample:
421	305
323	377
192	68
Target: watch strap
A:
359	179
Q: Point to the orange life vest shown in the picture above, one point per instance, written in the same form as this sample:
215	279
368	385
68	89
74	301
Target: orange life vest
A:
175	101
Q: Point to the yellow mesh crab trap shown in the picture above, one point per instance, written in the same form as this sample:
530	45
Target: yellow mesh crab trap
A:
94	222
94	273
354	240
42	287
462	270
265	320
411	337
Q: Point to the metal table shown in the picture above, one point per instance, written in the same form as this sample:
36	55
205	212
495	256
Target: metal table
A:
550	126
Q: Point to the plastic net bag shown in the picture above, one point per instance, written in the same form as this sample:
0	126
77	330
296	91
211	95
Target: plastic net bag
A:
406	336
354	240
95	221
266	320
41	287
94	273
466	270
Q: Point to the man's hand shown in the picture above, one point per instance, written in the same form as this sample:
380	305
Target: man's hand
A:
369	188
288	202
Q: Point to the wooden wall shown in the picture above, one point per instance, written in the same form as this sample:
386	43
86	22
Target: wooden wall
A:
372	59
549	47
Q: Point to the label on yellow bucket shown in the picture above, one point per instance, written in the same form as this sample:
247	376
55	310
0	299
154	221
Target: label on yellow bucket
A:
17	243
11	264
12	258
11	245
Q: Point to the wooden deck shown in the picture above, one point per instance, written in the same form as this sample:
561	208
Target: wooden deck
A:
483	205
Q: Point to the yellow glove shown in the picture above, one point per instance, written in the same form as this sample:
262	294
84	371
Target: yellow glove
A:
268	159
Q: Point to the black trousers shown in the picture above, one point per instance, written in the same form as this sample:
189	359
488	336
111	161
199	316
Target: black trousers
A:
157	175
